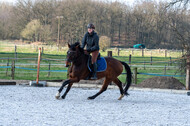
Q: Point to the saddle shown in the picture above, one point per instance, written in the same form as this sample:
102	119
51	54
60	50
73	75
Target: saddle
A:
101	63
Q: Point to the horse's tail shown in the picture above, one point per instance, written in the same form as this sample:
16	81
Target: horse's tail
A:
129	76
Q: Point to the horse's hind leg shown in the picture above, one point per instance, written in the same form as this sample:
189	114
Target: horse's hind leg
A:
119	84
67	90
104	87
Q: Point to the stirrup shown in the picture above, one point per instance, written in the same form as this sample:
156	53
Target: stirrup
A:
93	78
89	76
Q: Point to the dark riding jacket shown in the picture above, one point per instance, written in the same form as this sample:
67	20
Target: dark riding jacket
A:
92	41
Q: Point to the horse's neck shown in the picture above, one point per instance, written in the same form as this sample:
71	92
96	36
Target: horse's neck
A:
81	61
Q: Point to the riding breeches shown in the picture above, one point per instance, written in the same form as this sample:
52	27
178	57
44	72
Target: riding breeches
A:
94	56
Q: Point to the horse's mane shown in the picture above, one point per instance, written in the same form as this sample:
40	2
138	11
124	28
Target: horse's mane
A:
73	47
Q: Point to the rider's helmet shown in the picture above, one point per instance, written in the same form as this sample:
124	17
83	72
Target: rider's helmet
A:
91	26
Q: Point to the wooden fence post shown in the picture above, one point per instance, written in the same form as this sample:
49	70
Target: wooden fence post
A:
142	52
135	75
13	70
15	48
109	53
170	61
165	70
7	67
130	59
49	69
38	68
118	51
188	73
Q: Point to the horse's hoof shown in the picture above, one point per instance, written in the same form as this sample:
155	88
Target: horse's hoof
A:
121	97
127	94
90	98
63	97
57	95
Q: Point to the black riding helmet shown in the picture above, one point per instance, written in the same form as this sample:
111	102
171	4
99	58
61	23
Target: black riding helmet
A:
91	26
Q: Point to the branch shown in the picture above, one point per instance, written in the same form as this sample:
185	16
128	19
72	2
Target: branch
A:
174	2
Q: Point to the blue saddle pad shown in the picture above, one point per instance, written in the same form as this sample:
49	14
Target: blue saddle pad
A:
101	65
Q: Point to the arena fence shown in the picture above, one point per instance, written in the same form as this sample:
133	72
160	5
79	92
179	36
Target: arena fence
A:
19	65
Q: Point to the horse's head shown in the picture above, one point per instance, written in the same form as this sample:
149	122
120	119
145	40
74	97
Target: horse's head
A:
74	52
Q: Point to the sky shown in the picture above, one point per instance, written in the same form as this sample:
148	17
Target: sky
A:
129	1
122	1
11	1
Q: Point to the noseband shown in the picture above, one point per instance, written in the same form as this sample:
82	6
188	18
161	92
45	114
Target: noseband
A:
73	54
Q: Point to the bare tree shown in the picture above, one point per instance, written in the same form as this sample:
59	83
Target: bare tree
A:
154	24
6	30
180	23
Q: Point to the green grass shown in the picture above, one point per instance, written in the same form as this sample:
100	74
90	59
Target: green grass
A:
51	55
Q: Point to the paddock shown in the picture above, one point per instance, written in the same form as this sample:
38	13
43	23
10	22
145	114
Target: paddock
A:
25	105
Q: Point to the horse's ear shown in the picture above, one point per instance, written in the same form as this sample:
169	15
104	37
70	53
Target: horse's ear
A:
77	47
69	45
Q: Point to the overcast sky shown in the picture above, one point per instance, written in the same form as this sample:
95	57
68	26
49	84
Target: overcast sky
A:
127	1
122	1
11	1
102	0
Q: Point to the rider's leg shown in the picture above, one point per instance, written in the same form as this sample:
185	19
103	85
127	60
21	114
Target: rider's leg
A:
94	75
94	64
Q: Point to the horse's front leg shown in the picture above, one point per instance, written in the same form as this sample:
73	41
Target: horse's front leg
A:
67	90
70	82
61	88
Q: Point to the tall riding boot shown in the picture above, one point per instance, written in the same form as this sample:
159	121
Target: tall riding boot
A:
94	75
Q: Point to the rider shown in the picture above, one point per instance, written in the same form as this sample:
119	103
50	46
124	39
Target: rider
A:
91	39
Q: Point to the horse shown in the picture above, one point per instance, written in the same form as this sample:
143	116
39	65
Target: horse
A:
79	71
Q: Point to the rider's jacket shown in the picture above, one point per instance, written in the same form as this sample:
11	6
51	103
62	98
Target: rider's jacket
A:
91	41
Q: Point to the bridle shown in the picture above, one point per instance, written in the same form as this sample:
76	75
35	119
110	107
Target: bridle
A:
74	56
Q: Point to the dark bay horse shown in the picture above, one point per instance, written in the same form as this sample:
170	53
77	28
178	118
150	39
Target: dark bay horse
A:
79	71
